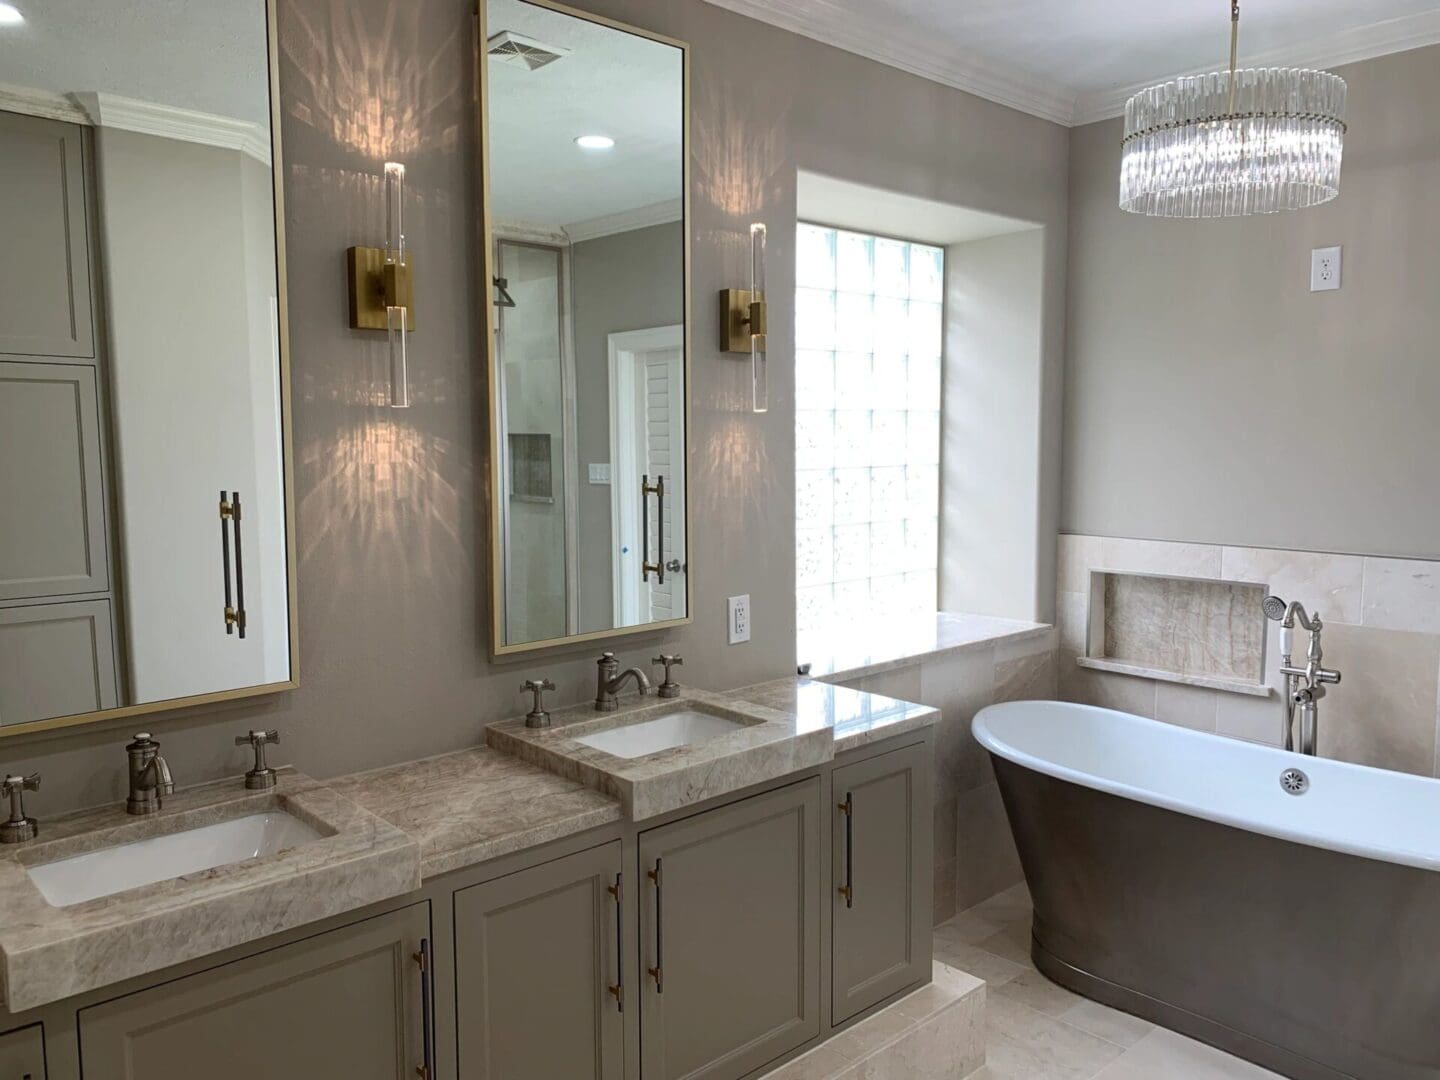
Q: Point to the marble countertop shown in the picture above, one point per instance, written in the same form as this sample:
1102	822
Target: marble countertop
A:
468	807
897	644
854	718
48	953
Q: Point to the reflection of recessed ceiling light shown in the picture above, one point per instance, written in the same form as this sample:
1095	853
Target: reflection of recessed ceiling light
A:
10	15
595	142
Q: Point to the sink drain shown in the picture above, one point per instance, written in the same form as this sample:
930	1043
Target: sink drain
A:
1294	782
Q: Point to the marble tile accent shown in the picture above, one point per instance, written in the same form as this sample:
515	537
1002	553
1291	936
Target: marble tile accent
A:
1187	706
855	651
1331	583
50	953
1402	594
1027	678
1184	626
986	861
1160	557
1176	678
475	805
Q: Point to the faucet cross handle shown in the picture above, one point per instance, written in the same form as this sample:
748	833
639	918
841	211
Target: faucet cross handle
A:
19	828
262	777
537	717
669	688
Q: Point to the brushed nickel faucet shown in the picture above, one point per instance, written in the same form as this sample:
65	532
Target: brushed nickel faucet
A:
150	779
609	680
537	717
1304	686
19	828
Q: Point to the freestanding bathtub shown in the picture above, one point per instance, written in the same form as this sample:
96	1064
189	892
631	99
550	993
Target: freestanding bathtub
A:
1294	923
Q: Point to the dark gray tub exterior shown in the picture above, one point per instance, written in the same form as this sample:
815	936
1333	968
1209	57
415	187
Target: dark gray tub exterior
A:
1312	963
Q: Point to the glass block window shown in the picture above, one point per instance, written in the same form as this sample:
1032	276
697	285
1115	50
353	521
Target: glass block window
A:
868	331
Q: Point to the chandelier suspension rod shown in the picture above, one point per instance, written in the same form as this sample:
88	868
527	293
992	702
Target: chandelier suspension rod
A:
1234	46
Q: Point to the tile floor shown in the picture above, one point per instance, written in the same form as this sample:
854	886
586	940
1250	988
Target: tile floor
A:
1039	1031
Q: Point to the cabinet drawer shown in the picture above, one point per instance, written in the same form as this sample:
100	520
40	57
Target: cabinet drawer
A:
22	1054
347	1003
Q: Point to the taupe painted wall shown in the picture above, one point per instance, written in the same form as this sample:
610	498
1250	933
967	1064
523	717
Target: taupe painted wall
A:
630	281
391	516
1210	396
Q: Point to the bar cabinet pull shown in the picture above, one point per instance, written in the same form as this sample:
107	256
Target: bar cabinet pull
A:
848	889
646	566
230	522
617	989
658	971
422	959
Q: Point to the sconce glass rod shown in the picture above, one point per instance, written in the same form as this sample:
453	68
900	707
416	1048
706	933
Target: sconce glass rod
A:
759	377
397	317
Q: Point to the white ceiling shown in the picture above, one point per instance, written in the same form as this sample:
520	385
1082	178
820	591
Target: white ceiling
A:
206	55
610	83
1074	61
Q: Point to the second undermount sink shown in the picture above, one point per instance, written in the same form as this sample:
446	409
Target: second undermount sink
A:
160	858
684	727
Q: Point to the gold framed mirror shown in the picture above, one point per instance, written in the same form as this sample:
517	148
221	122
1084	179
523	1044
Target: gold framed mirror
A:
584	144
147	557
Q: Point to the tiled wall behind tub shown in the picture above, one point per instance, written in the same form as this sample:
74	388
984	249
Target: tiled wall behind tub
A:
974	851
1382	632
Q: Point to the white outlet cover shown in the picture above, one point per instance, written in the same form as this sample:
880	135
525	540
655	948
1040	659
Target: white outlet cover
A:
737	610
1325	269
600	473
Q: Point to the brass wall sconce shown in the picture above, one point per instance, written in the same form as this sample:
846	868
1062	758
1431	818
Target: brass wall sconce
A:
744	321
382	287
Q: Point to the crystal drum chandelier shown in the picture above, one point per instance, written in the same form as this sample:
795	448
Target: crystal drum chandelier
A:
1228	144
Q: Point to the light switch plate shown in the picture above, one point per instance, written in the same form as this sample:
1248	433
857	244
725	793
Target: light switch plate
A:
1324	269
738	610
600	473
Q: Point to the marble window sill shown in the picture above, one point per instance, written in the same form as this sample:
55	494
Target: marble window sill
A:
852	652
1208	682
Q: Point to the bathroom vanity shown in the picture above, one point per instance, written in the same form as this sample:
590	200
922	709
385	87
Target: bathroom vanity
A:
482	916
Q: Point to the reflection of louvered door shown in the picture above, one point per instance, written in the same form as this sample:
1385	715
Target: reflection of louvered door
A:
664	456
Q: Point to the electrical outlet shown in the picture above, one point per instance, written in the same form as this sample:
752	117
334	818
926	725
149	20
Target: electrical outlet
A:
738	609
1324	269
600	474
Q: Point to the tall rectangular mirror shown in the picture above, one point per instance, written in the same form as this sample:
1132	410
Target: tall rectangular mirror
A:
584	142
145	552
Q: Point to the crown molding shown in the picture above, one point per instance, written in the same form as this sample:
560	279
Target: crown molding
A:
42	103
985	79
1363	43
661	213
171	122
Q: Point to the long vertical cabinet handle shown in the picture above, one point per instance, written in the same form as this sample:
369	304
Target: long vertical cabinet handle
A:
225	512
646	566
617	988
230	522
848	889
427	1035
658	971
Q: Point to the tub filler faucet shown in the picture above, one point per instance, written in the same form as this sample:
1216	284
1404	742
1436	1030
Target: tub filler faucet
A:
1304	686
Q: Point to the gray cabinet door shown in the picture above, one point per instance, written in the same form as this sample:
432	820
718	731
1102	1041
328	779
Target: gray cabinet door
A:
22	1054
536	955
56	660
52	539
342	1004
730	936
45	303
881	900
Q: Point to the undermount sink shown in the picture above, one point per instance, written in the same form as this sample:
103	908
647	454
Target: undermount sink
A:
684	727
160	858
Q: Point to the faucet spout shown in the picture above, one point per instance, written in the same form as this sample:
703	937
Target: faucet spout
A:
610	680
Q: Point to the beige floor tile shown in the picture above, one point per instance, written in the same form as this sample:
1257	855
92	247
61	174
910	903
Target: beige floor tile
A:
1013	943
1035	990
995	970
1165	1054
1112	1025
1023	1043
1006	908
966	928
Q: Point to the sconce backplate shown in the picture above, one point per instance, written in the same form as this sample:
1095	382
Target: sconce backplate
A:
376	285
735	320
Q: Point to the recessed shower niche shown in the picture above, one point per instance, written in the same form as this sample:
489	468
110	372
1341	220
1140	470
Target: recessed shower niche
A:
1196	631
